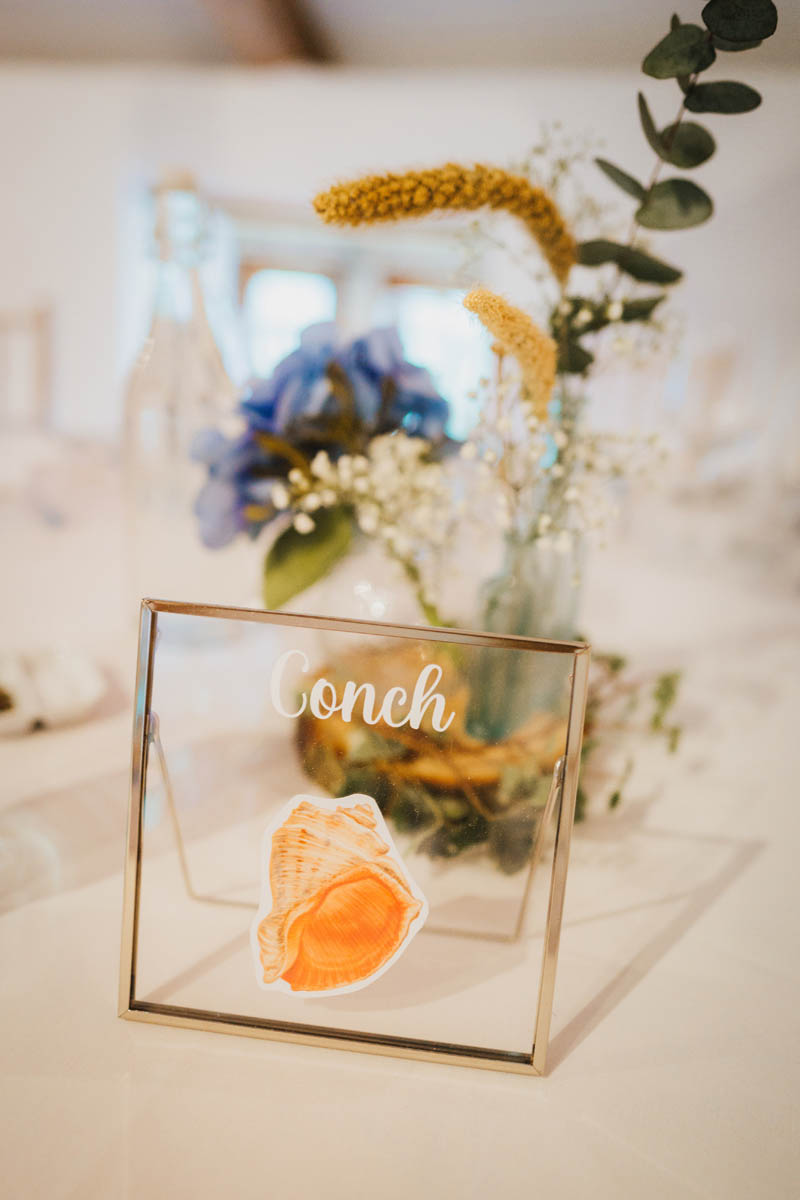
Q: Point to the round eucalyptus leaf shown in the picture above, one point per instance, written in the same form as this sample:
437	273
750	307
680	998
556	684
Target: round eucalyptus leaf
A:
649	127
724	96
721	44
687	144
741	20
573	359
642	308
640	266
685	50
621	178
675	204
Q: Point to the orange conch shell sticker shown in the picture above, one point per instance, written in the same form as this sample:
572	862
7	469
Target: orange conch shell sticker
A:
338	906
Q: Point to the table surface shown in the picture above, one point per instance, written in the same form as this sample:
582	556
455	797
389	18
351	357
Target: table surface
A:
673	1066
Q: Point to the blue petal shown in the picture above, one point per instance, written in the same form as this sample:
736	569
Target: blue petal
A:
320	340
381	349
217	510
208	446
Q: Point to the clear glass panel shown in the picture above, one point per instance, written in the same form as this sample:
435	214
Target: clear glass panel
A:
278	306
392	901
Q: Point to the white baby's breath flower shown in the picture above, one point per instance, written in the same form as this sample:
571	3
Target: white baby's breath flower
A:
614	310
582	317
279	496
297	477
303	523
560	439
344	467
328	497
311	502
557	470
468	450
321	465
368	519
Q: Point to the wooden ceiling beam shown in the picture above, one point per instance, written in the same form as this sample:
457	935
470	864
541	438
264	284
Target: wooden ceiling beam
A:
266	31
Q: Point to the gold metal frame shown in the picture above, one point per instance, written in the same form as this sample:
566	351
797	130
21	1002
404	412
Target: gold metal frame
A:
532	1063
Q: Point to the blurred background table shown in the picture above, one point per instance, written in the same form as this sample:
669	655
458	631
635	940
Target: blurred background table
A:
673	1067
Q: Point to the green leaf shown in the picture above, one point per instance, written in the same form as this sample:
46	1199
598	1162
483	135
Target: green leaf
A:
520	783
357	779
640	309
573	359
721	44
411	810
675	204
296	560
621	178
366	746
674	21
741	20
649	127
635	263
665	693
684	144
724	96
511	839
448	841
685	50
687	144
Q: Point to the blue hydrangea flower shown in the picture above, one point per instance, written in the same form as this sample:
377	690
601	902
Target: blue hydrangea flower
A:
302	403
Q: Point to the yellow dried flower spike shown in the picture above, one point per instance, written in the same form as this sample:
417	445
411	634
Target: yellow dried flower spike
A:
521	337
417	193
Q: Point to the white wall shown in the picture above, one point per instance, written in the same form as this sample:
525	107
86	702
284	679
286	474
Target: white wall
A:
80	144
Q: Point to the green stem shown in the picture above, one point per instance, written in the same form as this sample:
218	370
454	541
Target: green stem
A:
427	607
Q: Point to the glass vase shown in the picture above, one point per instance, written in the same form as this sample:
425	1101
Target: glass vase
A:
535	594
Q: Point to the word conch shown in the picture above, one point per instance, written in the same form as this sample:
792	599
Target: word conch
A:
324	700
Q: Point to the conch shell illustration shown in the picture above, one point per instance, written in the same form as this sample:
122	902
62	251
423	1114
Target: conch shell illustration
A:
338	905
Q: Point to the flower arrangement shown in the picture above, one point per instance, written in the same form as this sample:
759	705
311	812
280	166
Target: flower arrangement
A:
348	435
315	449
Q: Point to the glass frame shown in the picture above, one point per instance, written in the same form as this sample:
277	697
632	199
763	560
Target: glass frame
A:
132	1008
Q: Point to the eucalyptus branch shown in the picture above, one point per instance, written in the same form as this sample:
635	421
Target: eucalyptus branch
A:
675	203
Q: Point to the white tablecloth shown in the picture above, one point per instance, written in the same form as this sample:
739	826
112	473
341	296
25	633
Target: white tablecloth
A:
674	1061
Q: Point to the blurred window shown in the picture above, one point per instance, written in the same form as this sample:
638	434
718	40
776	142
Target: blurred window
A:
438	333
278	305
434	328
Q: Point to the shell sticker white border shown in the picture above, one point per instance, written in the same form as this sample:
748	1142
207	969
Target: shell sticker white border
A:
330	804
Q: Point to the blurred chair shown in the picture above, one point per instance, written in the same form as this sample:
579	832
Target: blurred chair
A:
26	375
